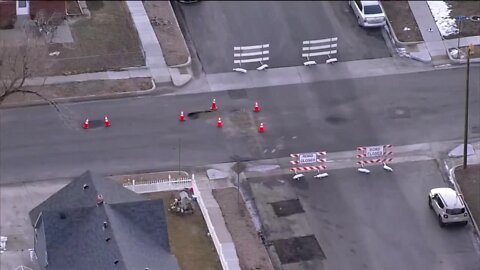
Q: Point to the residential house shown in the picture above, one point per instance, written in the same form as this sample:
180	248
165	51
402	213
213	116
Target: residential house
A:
10	10
95	223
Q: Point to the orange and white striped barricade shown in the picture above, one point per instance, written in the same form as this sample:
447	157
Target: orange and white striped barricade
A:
305	162
374	154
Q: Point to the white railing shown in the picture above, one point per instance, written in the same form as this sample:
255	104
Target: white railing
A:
159	185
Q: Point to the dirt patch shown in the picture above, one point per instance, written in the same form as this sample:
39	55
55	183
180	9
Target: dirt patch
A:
79	89
465	8
251	252
469	181
402	20
297	249
188	237
167	30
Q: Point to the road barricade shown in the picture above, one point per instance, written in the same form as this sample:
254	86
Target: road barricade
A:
373	155
305	162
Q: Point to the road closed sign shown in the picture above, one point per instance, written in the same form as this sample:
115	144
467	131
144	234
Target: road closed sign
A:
308	158
374	151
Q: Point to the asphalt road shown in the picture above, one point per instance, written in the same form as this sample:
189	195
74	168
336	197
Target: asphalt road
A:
35	143
217	26
382	221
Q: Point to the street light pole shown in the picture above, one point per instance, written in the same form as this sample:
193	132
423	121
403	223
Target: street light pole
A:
465	132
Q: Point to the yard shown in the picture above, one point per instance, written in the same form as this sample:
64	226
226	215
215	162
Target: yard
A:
463	8
189	239
106	41
469	181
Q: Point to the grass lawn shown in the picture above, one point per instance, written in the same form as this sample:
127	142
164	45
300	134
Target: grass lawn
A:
403	23
106	41
188	237
465	8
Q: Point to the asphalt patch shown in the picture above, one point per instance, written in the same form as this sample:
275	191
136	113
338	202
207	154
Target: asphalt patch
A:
297	249
287	208
95	123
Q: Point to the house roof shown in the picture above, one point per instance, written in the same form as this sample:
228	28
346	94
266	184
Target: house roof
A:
76	238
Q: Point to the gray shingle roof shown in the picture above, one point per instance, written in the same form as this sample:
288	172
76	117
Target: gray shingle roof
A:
76	238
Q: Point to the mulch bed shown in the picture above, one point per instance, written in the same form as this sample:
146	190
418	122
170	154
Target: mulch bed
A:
469	181
401	18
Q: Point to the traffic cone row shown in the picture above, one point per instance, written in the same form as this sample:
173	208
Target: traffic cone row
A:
86	125
214	107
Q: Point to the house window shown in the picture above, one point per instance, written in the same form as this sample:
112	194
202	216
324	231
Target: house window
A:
22	4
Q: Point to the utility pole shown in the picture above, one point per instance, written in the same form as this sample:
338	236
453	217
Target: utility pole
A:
465	132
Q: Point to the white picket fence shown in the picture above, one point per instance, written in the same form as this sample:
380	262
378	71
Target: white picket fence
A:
159	185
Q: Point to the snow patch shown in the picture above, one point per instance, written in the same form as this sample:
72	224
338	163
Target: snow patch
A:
441	13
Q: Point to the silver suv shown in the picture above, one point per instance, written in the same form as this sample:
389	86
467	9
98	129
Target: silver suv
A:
448	206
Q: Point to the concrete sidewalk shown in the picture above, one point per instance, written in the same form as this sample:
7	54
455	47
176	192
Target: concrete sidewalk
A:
434	48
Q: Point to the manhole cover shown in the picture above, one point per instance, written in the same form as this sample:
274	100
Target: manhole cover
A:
298	249
287	208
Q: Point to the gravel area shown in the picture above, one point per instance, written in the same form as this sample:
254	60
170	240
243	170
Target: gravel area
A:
251	252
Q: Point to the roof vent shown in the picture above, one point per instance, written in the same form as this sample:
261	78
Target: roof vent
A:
62	215
105	225
99	199
115	262
85	186
107	239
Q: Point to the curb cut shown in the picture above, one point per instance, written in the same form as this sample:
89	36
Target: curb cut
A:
82	98
451	176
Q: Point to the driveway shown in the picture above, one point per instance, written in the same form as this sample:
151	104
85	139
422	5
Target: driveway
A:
378	221
217	26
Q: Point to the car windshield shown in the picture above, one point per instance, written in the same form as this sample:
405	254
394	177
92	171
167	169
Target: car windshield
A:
456	211
373	9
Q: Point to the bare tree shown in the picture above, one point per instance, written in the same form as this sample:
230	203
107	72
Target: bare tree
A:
47	23
16	69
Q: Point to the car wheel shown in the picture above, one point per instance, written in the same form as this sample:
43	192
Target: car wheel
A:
430	203
440	221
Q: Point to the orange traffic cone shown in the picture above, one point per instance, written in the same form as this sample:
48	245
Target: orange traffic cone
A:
256	108
261	128
107	122
85	124
219	123
214	105
182	117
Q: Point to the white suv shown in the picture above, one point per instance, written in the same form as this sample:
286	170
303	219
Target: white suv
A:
448	206
368	13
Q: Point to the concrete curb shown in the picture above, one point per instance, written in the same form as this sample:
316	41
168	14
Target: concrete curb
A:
83	98
457	187
461	61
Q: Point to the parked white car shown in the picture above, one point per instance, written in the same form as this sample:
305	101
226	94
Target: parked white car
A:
448	206
368	13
